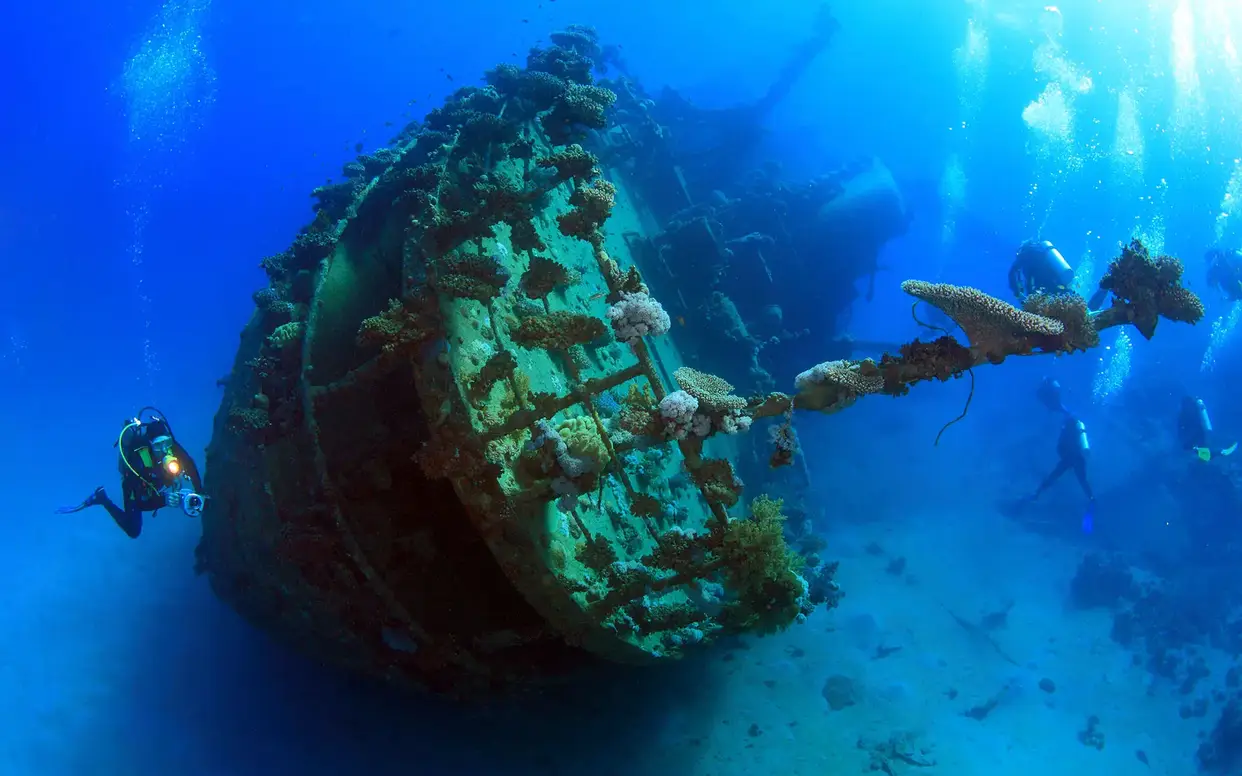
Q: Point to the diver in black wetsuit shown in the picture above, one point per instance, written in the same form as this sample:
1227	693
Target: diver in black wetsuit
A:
156	472
1039	268
1195	433
1073	449
1225	272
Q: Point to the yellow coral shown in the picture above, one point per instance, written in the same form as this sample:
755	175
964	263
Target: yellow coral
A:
583	441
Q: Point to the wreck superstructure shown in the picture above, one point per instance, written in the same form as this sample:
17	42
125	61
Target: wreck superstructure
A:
461	445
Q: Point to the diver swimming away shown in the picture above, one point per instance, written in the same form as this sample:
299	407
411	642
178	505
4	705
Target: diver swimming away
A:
1039	268
1225	272
1073	448
1195	432
156	472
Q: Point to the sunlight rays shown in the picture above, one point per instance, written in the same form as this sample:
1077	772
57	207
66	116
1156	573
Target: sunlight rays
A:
970	60
167	85
1050	119
1189	107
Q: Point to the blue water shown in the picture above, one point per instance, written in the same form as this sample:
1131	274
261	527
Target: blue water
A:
153	154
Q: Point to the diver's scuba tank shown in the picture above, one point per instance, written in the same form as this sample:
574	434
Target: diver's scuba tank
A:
1082	444
1045	267
1202	418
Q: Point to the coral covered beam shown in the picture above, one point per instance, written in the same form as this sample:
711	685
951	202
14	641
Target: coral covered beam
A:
1144	289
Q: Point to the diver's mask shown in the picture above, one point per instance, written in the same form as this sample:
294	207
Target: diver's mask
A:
163	456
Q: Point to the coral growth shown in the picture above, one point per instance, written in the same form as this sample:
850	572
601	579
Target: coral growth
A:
471	276
403	327
579	106
718	482
835	384
499	367
592	205
544	276
583	441
995	328
272	305
529	92
762	572
287	335
784	444
561	62
639	414
637	315
557	331
678	409
714	393
581	39
1071	310
571	163
1150	289
248	421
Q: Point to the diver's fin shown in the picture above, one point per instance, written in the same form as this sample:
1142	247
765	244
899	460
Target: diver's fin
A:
1203	453
1229	450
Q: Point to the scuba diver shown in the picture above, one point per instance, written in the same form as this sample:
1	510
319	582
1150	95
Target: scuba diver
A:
1194	430
1073	450
1039	268
1225	272
156	472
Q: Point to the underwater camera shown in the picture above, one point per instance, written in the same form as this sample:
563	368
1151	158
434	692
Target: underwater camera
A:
187	500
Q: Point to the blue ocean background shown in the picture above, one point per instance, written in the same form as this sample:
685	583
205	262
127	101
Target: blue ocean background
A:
154	153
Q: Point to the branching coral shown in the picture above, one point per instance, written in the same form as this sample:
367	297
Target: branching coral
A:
557	331
311	247
784	444
248	421
718	482
470	276
940	359
403	327
704	405
1144	290
571	163
544	276
714	394
529	92
581	39
1071	310
592	205
836	384
275	309
579	106
499	367
287	335
762	572
1147	289
639	415
995	329
562	62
